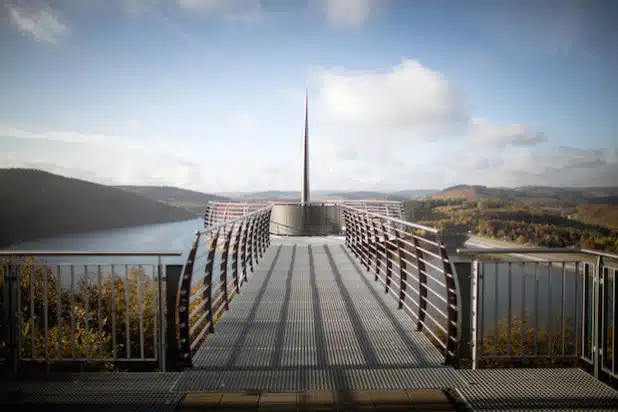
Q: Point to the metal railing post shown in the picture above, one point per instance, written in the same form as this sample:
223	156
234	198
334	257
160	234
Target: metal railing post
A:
585	306
365	239
474	287
463	273
235	257
376	245
223	265
402	269
161	318
422	284
387	249
184	305
243	252
354	240
171	348
598	318
249	243
268	220
12	312
208	281
453	309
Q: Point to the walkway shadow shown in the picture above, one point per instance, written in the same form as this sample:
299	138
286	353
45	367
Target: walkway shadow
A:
275	361
240	341
420	352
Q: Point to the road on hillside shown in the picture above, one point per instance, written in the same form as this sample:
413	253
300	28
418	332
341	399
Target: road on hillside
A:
485	243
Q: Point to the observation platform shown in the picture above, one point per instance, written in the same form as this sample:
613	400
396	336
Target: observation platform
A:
322	323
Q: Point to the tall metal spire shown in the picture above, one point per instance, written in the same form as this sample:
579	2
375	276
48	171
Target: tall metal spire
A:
304	198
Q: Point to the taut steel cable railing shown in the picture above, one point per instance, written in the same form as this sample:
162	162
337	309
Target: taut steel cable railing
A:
547	305
412	264
206	289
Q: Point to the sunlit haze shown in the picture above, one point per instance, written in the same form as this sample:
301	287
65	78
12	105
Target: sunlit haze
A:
208	94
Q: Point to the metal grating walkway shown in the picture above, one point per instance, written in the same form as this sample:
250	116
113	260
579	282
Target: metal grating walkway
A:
536	390
312	319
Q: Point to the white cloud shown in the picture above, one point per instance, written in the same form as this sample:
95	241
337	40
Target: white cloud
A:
481	131
39	21
411	97
410	101
348	13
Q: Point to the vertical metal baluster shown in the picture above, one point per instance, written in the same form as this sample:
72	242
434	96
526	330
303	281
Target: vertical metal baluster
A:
536	309
481	303
614	315
576	313
475	314
162	312
508	314
46	312
496	314
73	336
32	337
100	310
563	318
522	311
141	311
87	311
585	305
128	325
20	310
59	312
600	321
549	311
114	352
155	306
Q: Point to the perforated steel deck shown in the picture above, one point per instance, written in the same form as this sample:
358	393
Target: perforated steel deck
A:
312	319
536	390
92	391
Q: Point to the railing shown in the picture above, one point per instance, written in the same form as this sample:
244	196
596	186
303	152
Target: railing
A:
202	298
412	264
388	208
217	212
53	311
549	309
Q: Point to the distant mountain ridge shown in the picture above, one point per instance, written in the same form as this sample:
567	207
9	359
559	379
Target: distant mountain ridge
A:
174	196
35	204
533	194
318	195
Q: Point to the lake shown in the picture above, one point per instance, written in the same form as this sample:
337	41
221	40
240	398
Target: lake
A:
164	237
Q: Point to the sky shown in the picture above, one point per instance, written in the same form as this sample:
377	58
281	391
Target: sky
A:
208	95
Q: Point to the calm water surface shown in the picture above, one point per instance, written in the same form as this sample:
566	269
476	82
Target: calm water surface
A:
164	237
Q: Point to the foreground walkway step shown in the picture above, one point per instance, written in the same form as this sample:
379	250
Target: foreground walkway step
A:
410	399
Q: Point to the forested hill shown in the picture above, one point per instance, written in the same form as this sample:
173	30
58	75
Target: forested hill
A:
36	204
174	196
544	216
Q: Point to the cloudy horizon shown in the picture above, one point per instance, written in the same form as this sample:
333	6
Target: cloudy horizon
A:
208	95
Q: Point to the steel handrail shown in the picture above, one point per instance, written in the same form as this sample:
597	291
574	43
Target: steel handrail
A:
235	220
374	242
543	250
416	226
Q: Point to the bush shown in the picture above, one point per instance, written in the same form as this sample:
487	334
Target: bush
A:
81	329
87	323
